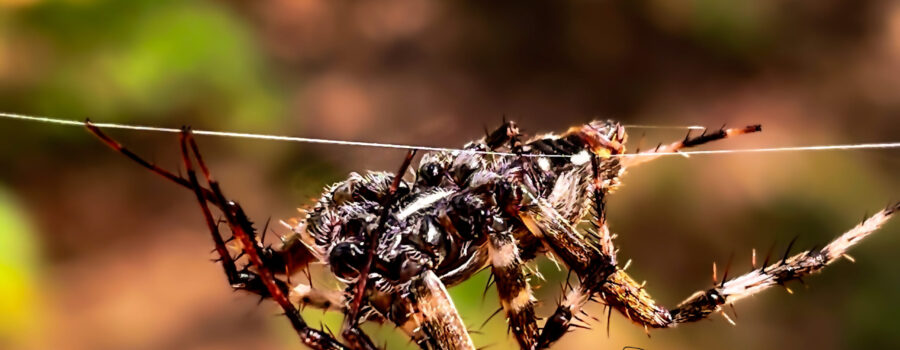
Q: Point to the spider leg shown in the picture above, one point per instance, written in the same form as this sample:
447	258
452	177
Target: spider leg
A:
351	330
507	134
590	254
437	316
619	291
400	310
512	285
293	254
703	303
688	141
243	279
582	251
243	231
623	294
118	147
260	281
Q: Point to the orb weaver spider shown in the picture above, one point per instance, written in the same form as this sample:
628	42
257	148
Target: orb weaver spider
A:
497	204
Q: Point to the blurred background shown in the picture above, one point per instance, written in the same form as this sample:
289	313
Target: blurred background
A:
96	253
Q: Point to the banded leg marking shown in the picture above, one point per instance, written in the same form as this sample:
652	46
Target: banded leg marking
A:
687	142
513	288
438	317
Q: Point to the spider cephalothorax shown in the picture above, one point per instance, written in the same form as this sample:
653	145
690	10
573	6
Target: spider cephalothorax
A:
445	214
497	203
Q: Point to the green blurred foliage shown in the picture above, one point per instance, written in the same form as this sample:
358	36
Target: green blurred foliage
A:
20	267
145	60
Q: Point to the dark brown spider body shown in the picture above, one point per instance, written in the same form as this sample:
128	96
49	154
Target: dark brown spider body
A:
441	220
398	244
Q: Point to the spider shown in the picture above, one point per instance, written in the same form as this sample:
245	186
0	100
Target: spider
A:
396	244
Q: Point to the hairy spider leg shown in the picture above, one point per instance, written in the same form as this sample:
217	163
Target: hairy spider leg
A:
619	291
789	268
429	330
507	134
592	257
118	147
436	315
594	267
242	229
623	294
293	255
508	270
507	267
244	279
688	141
515	293
234	277
351	331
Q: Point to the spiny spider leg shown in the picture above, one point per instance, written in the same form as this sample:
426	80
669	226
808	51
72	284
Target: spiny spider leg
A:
115	145
598	203
507	266
351	331
580	253
512	286
623	294
242	230
245	279
436	315
619	291
507	134
688	141
294	255
591	276
595	265
702	303
239	279
594	258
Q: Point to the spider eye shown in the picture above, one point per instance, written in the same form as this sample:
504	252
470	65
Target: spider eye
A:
346	258
430	174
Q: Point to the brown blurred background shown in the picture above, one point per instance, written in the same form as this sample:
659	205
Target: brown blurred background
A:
96	253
